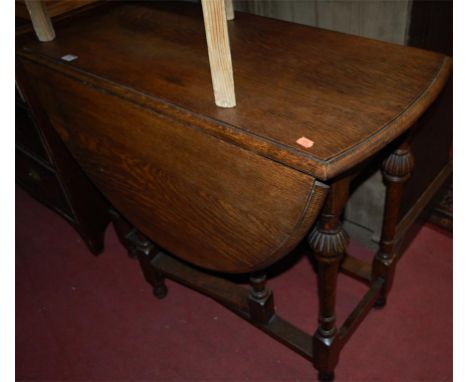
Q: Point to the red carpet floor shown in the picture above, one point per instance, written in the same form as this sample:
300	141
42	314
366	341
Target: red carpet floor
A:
86	318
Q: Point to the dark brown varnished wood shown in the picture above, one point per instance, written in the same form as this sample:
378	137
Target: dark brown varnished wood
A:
47	171
356	268
235	298
396	171
423	202
146	251
239	300
328	242
40	179
261	303
236	210
359	313
349	95
27	137
230	189
54	7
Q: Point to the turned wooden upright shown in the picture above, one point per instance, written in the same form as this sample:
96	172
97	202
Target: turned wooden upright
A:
328	242
396	170
234	190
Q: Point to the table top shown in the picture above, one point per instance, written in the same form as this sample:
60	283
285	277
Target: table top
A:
349	95
54	7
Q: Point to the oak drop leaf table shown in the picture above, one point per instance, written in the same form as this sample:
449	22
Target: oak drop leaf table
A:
208	190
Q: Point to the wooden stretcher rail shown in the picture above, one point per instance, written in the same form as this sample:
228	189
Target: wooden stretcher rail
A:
234	298
356	268
360	312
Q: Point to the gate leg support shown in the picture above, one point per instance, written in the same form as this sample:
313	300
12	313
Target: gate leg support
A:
328	242
145	251
396	170
261	303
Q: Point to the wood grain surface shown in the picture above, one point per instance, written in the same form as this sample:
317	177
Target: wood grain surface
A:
207	201
349	95
54	7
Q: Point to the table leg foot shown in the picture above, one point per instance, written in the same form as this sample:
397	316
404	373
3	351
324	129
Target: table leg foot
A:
145	251
160	291
326	377
380	303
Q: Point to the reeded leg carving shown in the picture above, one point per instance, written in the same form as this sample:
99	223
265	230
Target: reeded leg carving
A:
328	242
145	251
396	171
261	303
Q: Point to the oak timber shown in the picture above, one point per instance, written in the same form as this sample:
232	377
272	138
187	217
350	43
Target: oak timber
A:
349	95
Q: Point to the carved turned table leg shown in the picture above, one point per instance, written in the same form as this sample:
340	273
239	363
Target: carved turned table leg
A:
396	171
328	242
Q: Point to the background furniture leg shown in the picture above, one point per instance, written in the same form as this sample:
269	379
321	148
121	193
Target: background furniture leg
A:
125	232
328	242
396	171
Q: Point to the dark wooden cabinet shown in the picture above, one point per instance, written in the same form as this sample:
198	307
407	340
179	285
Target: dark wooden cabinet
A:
41	181
47	171
26	135
49	174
